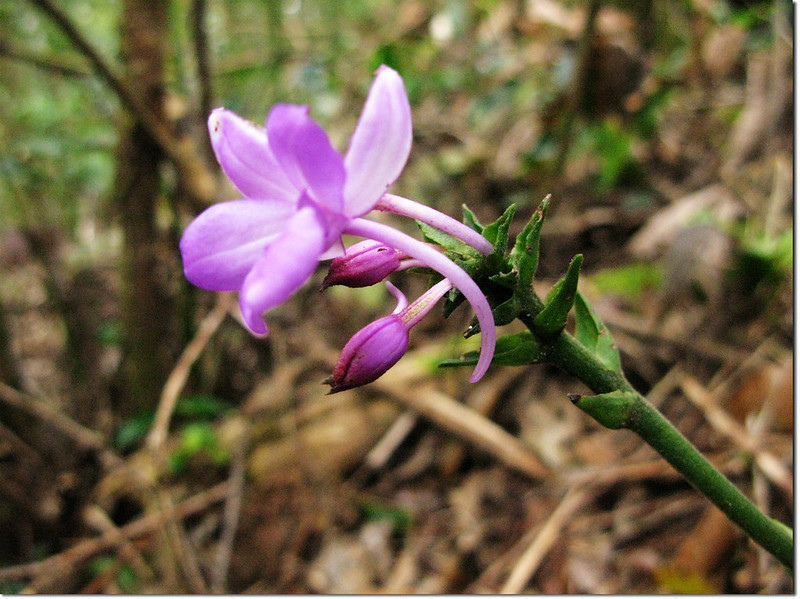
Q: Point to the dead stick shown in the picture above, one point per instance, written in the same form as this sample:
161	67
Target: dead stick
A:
529	562
177	378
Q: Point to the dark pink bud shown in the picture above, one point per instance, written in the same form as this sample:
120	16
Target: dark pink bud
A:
369	353
363	264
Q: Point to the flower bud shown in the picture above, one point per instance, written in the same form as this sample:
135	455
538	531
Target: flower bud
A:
369	353
363	264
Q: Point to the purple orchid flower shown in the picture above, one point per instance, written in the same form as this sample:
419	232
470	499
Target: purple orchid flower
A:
300	196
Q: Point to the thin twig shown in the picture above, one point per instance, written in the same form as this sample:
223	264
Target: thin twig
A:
383	450
404	383
529	562
70	558
83	437
179	375
173	530
231	513
97	518
41	62
467	424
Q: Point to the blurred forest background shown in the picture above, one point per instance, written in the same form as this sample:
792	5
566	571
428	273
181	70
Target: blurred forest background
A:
149	444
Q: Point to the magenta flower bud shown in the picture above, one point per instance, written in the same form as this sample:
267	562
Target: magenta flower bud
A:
369	353
363	264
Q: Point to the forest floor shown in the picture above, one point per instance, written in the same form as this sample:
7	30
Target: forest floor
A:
250	479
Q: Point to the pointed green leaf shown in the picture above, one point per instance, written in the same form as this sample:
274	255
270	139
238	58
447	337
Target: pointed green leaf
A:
517	349
452	300
505	279
524	256
594	335
448	242
553	318
497	232
470	220
506	312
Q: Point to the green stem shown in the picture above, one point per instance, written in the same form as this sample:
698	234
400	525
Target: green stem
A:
639	416
647	422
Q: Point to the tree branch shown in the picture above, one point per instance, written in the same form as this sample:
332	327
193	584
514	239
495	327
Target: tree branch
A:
192	169
202	56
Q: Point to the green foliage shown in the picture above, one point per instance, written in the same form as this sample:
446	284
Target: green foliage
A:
132	431
518	349
593	334
764	258
631	281
524	256
470	219
12	587
451	244
494	265
125	576
401	519
612	145
201	407
497	232
553	318
58	131
197	439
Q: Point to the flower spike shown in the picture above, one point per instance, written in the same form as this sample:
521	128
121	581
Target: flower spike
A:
299	196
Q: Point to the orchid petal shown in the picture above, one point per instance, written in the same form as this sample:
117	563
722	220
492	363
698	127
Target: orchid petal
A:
244	154
304	151
380	144
336	250
284	266
223	243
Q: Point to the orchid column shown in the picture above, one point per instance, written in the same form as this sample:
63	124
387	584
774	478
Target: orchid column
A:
300	196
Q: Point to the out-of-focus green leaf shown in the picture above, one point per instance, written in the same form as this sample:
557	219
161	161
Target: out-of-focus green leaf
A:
132	431
201	406
629	282
401	519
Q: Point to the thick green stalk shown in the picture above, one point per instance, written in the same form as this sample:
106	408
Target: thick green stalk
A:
628	409
650	425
